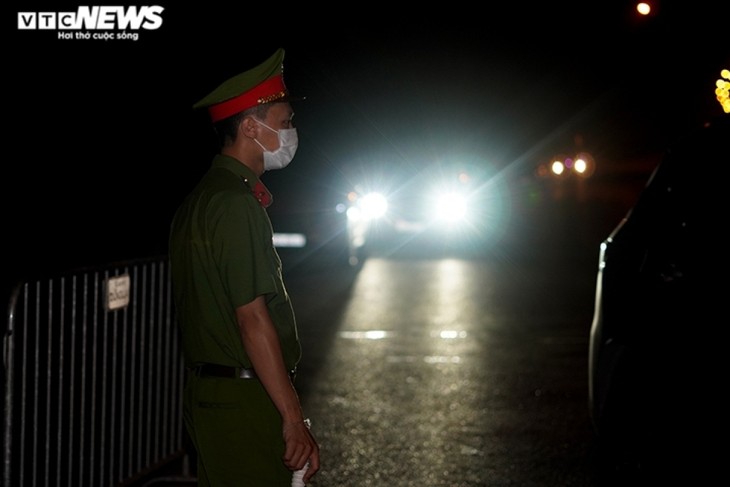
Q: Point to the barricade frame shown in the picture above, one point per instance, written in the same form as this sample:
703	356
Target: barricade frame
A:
92	377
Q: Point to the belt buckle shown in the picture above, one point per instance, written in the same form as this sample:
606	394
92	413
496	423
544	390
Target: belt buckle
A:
244	373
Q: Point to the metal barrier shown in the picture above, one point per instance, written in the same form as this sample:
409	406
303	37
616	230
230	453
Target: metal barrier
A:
92	378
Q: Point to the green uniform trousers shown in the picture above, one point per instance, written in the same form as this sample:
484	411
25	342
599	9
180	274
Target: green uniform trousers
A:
236	430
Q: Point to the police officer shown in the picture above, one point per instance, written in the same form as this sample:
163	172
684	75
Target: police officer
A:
239	335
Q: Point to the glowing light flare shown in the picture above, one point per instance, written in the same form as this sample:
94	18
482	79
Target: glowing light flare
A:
364	335
450	206
584	165
290	240
464	177
450	334
557	167
581	165
354	214
373	206
643	8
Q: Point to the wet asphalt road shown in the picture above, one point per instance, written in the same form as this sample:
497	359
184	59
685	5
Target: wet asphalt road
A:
432	370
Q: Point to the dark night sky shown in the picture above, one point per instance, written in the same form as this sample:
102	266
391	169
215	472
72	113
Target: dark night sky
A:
104	142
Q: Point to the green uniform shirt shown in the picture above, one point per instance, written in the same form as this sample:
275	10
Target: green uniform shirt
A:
222	256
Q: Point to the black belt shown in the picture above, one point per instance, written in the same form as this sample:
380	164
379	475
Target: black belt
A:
215	370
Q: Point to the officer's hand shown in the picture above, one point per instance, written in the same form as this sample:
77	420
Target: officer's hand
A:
300	448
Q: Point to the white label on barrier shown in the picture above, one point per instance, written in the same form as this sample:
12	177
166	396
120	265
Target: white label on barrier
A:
117	292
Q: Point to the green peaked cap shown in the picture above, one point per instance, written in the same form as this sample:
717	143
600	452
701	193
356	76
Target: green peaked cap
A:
261	84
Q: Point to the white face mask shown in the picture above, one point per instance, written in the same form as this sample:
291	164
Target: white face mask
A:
281	157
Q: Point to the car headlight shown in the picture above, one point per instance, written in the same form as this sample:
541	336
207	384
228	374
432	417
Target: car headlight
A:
372	206
450	207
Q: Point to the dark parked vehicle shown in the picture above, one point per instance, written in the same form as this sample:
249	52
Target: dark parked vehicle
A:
656	346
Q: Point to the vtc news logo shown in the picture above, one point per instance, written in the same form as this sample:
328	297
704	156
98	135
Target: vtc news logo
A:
94	18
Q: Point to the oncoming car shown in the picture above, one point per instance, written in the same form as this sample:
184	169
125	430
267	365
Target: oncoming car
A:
656	348
343	216
438	208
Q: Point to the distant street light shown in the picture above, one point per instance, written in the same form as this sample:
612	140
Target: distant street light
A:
643	8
